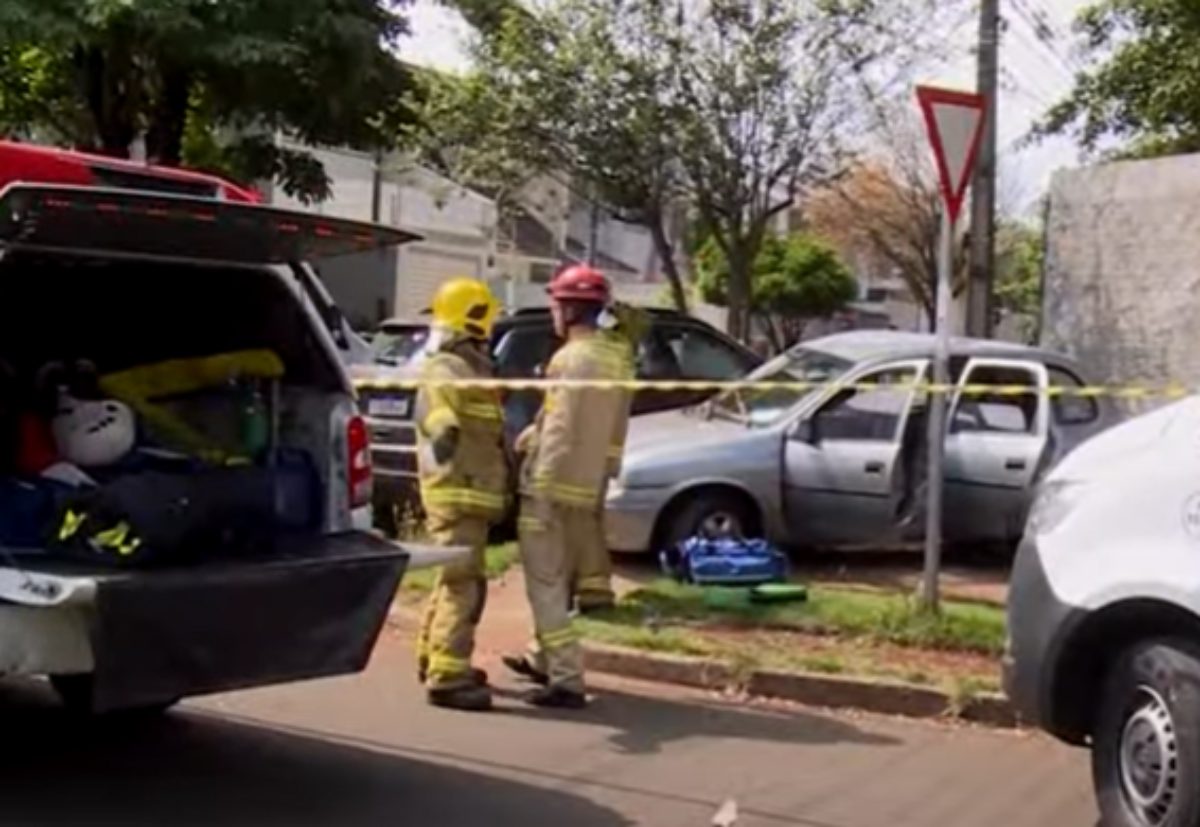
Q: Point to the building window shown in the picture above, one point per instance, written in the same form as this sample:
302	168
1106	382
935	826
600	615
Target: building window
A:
541	273
877	295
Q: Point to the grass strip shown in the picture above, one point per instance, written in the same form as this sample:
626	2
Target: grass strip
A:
877	617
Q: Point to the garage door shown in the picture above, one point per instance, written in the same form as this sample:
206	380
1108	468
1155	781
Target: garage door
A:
422	270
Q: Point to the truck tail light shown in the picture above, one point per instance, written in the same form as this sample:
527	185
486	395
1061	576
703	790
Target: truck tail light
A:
358	455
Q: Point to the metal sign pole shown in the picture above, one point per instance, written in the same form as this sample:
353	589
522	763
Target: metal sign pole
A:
938	404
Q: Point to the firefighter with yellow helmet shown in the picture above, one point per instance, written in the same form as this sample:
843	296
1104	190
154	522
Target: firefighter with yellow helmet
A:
571	452
463	472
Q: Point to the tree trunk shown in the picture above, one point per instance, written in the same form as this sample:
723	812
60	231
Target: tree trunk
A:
666	255
773	333
106	93
739	294
164	138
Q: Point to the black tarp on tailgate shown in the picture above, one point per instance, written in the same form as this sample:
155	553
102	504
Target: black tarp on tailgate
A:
317	611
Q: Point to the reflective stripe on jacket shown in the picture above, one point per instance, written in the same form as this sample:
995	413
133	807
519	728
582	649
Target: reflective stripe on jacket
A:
580	433
475	479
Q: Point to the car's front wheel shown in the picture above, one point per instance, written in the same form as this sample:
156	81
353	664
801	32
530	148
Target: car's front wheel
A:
1146	739
714	513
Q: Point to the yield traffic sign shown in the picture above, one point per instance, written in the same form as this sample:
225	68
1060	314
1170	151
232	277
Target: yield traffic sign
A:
954	121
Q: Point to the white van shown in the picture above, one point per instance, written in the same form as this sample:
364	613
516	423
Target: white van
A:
130	278
1104	615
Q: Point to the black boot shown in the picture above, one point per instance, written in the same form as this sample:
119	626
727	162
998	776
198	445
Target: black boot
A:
556	697
472	698
522	667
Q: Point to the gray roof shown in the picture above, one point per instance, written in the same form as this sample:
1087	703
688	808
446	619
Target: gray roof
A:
871	345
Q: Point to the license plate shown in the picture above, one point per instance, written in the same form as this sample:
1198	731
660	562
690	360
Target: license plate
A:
389	406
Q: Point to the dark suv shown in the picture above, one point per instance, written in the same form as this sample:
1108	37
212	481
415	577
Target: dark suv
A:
675	347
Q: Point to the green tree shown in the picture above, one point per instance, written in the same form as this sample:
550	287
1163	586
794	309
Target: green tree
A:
218	78
578	90
463	129
796	278
731	107
773	91
1144	90
1020	251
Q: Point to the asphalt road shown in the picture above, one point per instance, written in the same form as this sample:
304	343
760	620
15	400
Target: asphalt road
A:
366	750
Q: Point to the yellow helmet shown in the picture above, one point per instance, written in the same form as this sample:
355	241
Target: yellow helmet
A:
465	306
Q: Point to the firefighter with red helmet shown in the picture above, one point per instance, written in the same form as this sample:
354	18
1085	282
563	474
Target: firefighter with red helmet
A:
571	451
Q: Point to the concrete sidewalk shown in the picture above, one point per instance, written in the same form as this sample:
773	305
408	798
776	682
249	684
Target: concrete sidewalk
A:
664	757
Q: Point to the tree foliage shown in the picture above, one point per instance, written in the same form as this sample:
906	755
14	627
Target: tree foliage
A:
731	106
215	77
887	214
1020	252
578	90
470	134
1144	90
796	278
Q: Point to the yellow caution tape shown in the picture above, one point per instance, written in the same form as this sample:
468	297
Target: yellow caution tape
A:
1169	392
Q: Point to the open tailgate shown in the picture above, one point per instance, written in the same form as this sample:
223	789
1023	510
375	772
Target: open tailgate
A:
145	223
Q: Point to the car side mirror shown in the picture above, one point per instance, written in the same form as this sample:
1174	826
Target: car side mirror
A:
804	431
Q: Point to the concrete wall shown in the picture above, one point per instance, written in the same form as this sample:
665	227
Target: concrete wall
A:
1122	288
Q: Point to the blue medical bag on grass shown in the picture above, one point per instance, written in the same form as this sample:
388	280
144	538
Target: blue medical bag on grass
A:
725	562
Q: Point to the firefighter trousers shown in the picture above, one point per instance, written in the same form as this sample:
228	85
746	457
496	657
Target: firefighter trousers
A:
447	636
593	565
546	533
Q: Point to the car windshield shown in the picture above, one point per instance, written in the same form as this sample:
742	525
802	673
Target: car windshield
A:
762	406
399	345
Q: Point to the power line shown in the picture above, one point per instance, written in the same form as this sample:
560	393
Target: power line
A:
1065	77
1048	32
1027	88
1053	57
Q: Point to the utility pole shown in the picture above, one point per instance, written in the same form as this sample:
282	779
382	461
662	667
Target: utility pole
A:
593	243
983	198
377	186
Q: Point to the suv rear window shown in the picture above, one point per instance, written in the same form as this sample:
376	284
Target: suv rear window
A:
523	350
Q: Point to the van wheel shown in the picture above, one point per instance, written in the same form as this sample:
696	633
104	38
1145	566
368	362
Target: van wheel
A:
76	693
1146	741
716	514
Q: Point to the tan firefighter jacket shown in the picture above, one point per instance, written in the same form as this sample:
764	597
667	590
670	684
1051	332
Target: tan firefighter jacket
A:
575	446
474	481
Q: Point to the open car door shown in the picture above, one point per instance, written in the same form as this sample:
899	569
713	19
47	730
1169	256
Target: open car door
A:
846	472
997	437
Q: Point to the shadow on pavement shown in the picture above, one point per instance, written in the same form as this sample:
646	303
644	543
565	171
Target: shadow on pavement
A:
644	725
190	769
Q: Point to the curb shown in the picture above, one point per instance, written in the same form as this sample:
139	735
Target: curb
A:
834	692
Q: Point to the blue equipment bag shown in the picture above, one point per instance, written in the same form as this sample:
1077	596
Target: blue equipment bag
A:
724	562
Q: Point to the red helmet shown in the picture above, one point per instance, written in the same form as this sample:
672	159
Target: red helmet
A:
580	283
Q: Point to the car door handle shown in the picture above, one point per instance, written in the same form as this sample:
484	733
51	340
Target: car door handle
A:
873	467
1013	464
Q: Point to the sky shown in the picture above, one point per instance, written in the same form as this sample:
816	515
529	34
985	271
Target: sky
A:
1036	72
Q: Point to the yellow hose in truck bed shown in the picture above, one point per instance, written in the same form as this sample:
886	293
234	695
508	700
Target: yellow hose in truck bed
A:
140	387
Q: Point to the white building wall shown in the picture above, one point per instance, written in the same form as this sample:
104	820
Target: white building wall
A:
458	228
627	243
